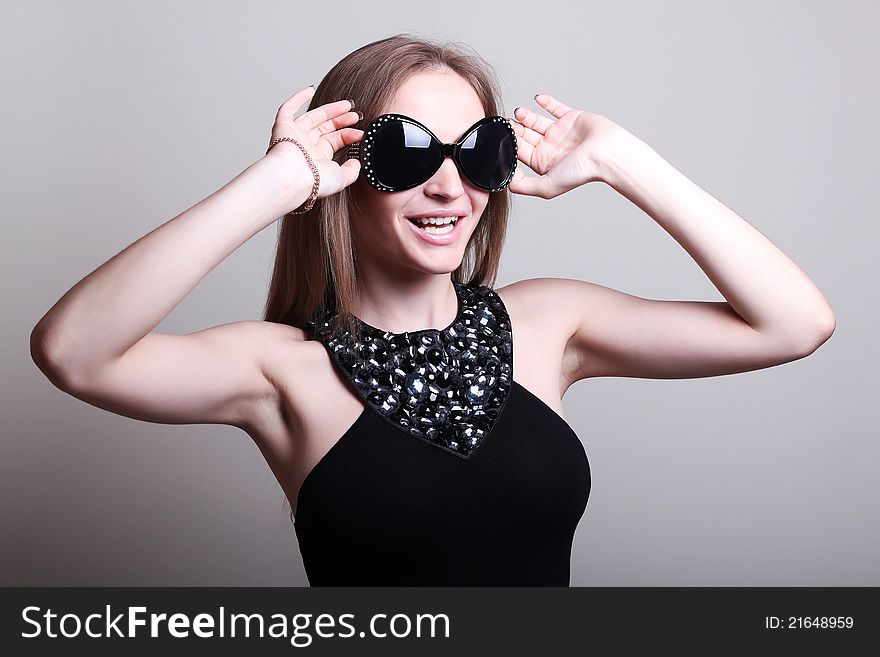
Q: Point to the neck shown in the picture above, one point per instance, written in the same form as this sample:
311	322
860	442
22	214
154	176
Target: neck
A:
392	303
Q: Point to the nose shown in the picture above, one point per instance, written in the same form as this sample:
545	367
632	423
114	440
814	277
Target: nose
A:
446	181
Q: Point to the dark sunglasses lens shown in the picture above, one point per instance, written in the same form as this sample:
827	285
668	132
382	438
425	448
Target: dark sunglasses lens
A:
403	155
488	155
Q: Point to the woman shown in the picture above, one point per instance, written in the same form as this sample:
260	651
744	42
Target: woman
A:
412	413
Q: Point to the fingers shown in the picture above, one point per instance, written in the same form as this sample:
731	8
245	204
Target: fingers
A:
290	106
528	185
351	169
555	107
531	120
530	135
334	124
342	138
536	124
526	139
319	115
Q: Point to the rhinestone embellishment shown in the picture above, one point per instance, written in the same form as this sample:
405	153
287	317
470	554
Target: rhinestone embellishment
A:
444	386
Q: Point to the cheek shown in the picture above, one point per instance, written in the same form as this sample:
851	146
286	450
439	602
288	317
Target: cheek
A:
383	206
373	220
479	201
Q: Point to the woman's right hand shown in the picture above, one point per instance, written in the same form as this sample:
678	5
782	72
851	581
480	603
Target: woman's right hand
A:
322	131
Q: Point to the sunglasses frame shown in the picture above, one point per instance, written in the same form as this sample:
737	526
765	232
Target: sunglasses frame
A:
361	150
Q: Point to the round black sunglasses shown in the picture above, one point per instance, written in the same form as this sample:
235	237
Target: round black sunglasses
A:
397	153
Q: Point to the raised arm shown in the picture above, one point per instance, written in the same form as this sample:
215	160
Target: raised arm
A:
96	341
773	312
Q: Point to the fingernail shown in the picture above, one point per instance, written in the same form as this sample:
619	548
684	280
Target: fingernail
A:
312	86
536	96
360	116
352	103
514	110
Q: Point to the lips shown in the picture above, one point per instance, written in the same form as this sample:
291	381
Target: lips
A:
438	240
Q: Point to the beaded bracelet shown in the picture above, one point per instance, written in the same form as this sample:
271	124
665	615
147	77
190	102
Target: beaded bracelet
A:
310	201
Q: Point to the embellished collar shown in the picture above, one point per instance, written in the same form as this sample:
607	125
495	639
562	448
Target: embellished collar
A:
443	386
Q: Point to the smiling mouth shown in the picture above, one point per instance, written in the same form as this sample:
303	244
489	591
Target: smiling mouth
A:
438	226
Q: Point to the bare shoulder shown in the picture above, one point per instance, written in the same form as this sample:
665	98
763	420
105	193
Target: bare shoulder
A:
545	304
583	318
544	314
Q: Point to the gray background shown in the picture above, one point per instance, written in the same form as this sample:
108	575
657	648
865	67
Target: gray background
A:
119	115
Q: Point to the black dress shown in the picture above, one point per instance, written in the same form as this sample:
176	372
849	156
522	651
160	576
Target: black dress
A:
454	474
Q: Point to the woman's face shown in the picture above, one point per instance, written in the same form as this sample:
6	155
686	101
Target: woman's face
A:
448	105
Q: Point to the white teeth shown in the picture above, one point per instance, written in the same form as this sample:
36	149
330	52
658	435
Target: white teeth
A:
437	230
437	221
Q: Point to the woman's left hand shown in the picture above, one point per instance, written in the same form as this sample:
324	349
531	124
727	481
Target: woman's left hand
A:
565	152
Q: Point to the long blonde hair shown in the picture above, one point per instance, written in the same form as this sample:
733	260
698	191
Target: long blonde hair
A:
314	268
